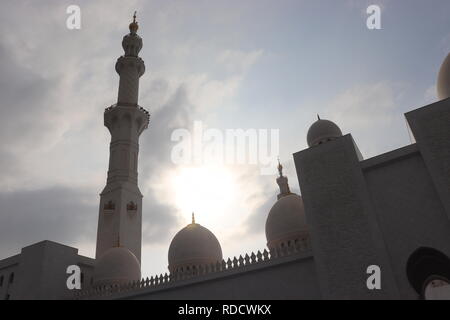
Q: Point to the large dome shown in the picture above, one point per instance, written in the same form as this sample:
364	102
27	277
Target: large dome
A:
193	245
286	223
117	266
322	131
443	83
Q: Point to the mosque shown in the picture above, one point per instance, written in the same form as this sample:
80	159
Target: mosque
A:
390	212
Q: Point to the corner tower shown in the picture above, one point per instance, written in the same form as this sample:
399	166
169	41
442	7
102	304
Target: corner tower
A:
120	212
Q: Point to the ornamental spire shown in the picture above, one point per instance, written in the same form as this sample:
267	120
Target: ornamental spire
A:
193	218
282	182
280	168
130	67
134	25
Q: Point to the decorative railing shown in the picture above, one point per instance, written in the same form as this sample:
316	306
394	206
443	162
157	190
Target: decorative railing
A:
145	112
196	271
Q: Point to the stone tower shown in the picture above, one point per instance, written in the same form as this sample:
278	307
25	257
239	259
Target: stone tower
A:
120	212
345	233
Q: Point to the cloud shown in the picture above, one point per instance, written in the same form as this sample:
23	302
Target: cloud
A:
365	106
445	44
59	214
179	101
264	198
256	221
239	61
54	86
50	91
430	95
160	216
26	122
371	112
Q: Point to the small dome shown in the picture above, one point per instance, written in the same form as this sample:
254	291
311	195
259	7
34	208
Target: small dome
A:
286	222
322	131
117	266
193	245
134	25
443	83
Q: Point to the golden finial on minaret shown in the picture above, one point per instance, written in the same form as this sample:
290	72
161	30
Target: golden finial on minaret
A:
282	182
134	25
193	218
280	168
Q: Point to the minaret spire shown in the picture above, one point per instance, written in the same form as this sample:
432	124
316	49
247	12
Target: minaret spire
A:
120	216
134	25
280	168
282	182
130	66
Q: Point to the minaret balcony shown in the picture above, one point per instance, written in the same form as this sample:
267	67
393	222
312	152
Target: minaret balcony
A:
131	119
125	62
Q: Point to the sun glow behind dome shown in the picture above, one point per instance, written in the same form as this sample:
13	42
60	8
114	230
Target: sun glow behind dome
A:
209	191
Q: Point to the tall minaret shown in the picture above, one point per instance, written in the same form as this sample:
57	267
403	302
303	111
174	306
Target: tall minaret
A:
120	214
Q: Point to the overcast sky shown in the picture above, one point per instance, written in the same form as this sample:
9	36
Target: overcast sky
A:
230	64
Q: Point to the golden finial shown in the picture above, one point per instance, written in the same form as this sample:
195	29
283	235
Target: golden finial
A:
134	25
280	168
193	218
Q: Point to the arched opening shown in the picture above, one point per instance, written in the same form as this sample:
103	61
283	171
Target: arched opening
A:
428	272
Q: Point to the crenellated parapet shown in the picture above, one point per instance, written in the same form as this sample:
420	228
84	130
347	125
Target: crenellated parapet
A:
240	264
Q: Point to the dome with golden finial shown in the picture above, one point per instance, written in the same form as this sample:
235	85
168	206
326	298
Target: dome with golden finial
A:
134	25
132	42
117	266
193	246
322	131
286	221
